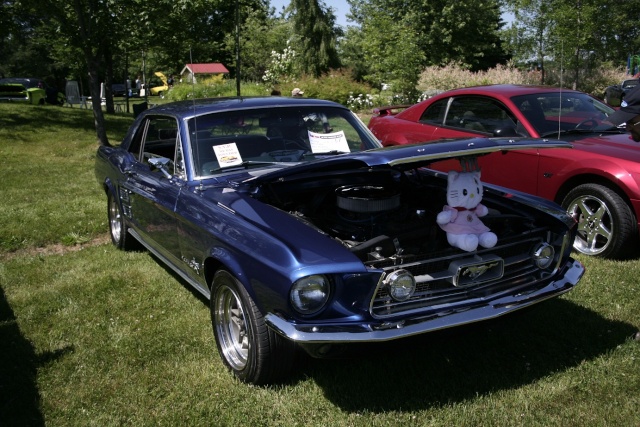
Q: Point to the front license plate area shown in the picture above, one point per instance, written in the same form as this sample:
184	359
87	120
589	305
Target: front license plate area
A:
473	271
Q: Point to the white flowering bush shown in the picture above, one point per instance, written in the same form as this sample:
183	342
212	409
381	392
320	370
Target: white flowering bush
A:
282	67
361	101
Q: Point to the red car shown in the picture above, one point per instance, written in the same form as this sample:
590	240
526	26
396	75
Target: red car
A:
598	181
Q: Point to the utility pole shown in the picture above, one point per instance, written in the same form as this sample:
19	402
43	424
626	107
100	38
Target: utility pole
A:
237	48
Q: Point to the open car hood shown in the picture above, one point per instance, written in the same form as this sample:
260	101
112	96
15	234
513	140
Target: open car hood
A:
405	157
162	77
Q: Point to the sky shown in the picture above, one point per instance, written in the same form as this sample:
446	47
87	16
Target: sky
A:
341	8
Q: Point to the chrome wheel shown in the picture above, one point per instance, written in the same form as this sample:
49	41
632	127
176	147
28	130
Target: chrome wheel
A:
231	327
595	225
248	348
115	221
606	224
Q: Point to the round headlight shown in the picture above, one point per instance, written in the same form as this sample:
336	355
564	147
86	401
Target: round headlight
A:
543	255
401	285
309	294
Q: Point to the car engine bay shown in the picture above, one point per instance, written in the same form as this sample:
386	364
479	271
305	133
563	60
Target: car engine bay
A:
386	216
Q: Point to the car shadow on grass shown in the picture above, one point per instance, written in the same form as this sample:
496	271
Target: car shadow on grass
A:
453	365
19	396
436	369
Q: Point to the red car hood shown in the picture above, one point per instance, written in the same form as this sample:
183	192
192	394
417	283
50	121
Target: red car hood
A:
619	145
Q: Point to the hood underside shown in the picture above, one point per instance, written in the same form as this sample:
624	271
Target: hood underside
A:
406	157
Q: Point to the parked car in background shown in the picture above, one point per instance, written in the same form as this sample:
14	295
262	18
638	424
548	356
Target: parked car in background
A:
598	181
119	89
308	236
613	95
29	90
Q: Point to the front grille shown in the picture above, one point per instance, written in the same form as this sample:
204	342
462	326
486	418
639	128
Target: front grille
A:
435	288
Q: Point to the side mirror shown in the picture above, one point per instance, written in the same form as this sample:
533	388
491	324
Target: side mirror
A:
506	131
161	164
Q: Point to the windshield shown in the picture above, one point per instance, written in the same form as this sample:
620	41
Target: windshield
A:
273	136
563	111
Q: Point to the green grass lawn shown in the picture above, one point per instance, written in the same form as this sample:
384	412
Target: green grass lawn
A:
91	336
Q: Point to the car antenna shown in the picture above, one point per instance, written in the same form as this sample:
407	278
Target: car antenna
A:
195	119
193	88
561	83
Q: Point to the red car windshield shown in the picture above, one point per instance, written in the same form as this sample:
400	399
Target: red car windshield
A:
558	111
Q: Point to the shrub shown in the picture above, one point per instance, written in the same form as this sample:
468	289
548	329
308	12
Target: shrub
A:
208	87
455	76
339	86
282	67
598	80
594	81
336	85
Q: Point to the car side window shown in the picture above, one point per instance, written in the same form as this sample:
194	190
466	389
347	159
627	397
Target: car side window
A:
136	141
479	114
160	139
434	115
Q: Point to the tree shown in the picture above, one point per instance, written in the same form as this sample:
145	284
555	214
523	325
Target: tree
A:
385	50
25	52
85	24
260	35
531	32
617	30
316	35
577	34
573	33
398	38
465	32
351	51
100	31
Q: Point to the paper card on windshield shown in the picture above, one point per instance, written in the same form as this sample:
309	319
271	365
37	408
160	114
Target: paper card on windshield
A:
326	142
227	154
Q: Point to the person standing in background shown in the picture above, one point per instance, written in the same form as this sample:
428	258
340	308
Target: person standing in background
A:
629	113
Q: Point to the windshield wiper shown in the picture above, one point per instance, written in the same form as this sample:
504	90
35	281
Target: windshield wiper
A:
566	132
327	153
243	165
608	129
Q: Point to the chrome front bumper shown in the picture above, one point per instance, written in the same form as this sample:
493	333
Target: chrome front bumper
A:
385	331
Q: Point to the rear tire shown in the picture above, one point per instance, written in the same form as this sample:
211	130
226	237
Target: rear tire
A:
606	224
254	353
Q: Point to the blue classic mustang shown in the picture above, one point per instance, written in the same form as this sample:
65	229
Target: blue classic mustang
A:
302	232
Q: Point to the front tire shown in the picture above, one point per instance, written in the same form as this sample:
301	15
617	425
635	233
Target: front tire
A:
254	353
606	224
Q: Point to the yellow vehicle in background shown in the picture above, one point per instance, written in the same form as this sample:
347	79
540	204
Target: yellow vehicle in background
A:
29	90
159	85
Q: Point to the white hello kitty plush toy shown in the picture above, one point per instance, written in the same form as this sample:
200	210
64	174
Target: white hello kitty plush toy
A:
460	217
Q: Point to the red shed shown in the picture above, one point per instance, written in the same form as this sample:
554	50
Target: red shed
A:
193	71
